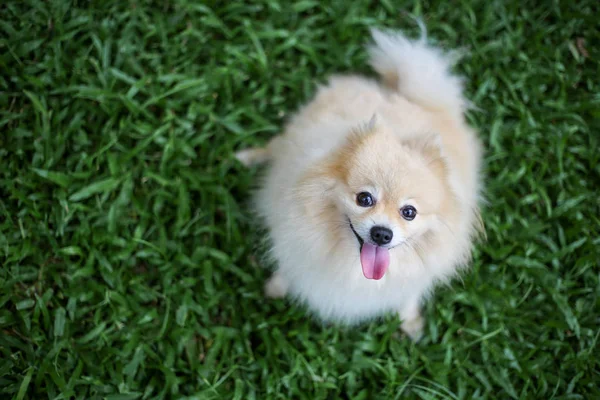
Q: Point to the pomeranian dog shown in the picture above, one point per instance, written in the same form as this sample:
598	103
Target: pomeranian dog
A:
372	194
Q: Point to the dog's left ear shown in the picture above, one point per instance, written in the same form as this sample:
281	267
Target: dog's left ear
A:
432	149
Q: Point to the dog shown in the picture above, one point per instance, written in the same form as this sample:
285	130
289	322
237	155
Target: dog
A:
372	192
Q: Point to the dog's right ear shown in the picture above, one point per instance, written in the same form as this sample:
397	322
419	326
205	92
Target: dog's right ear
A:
373	123
335	168
314	189
362	131
322	177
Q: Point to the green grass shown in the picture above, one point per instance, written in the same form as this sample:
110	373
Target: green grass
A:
128	253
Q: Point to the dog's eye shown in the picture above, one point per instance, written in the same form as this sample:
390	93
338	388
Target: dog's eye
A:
408	212
365	199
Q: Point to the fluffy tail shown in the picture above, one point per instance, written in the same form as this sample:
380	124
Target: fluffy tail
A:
418	71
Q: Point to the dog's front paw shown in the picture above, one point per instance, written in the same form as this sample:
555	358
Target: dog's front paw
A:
252	156
414	328
276	287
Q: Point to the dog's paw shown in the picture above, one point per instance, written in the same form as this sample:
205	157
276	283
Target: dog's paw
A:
276	287
249	157
414	328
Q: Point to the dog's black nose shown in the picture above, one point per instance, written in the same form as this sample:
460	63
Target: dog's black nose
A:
381	235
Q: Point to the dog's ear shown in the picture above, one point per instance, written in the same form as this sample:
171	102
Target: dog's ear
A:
362	131
314	189
373	122
432	149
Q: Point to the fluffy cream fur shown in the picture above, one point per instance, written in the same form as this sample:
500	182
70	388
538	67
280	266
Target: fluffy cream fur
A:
405	140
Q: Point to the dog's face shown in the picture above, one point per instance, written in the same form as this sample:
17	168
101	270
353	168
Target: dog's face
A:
389	193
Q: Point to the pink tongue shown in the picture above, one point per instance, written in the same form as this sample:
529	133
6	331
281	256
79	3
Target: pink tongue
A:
375	261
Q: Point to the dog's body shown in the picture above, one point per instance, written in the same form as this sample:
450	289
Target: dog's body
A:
372	192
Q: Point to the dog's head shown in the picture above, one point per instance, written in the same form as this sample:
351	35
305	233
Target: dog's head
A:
382	193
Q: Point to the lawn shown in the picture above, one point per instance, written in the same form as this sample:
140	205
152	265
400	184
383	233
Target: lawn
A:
129	255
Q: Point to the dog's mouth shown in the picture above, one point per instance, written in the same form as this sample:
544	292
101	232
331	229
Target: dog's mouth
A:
358	238
374	259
